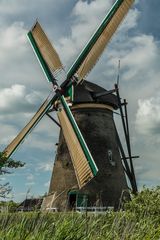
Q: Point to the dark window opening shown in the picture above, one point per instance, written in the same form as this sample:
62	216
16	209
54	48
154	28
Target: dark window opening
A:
72	200
77	200
110	158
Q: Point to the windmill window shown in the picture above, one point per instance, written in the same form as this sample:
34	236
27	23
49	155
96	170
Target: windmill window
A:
72	199
110	158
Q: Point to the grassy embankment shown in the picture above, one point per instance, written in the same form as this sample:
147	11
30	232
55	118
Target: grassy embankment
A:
139	221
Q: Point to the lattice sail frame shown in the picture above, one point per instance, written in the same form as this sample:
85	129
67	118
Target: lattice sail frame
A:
83	162
48	52
29	127
96	45
86	169
83	170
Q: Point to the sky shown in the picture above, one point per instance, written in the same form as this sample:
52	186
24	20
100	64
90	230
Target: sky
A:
23	87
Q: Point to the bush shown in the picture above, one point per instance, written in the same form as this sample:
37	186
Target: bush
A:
139	221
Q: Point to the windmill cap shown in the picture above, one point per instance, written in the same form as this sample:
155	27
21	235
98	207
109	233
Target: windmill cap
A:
86	93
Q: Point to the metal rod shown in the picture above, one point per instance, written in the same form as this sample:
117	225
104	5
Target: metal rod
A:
133	157
129	145
118	76
53	119
133	181
128	172
121	111
126	116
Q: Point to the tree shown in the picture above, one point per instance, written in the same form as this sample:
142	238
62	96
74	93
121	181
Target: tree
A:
6	164
9	206
5	189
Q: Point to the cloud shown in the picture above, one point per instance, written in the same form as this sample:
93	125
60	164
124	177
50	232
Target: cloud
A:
43	137
17	8
23	86
47	166
16	99
30	177
30	183
148	116
47	184
86	18
7	133
3	179
17	61
13	36
141	54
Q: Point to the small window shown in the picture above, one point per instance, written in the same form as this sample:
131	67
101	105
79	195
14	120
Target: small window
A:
72	196
110	158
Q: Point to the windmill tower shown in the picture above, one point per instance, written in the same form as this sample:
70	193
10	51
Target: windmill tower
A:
94	116
88	170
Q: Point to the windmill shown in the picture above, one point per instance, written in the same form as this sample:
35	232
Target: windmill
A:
90	165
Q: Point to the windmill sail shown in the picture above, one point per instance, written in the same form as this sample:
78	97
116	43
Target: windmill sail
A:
27	129
96	45
49	57
51	64
83	163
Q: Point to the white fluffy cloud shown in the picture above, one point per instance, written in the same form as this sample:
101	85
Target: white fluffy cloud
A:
19	7
16	99
8	132
87	17
23	87
47	166
141	54
18	64
148	116
12	36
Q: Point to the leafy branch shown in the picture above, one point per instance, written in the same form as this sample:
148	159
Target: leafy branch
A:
8	163
5	165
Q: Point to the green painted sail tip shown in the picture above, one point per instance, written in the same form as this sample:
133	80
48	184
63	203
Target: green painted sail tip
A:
41	60
78	133
85	51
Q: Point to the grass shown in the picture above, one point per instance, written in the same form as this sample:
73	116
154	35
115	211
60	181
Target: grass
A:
140	220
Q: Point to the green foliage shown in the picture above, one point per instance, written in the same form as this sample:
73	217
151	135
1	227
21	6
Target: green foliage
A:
145	204
5	189
9	206
140	220
5	165
8	163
